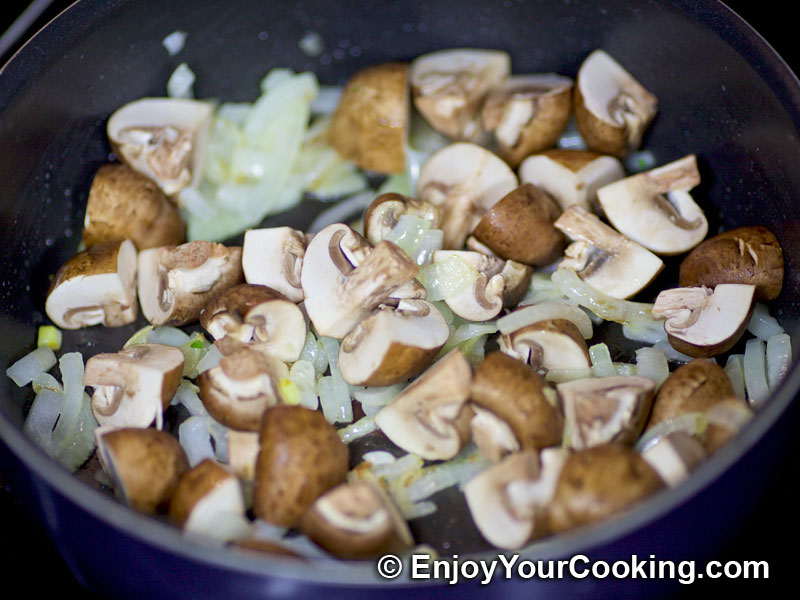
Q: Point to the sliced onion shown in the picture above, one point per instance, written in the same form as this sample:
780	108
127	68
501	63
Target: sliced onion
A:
603	305
210	359
195	438
602	366
46	381
377	395
438	477
693	423
762	324
624	369
313	353
71	367
364	426
652	363
337	406
42	417
549	309
734	369
187	395
755	372
670	352
562	375
180	82
447	278
648	331
38	361
779	358
378	457
169	336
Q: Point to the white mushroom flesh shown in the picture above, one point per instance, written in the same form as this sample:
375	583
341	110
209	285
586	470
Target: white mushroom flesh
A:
274	257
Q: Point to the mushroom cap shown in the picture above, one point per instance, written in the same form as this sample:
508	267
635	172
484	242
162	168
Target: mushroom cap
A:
612	109
370	121
238	390
356	520
95	286
177	282
702	323
694	387
301	458
549	344
514	392
164	139
527	113
448	87
464	180
430	417
393	344
124	204
144	464
525	209
571	176
724	420
273	257
599	482
750	254
134	386
655	209
257	317
202	493
674	456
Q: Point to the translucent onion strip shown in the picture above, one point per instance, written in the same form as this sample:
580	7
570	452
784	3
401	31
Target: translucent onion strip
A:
542	311
779	358
602	366
762	324
336	404
652	363
360	428
693	423
25	370
734	369
611	309
755	372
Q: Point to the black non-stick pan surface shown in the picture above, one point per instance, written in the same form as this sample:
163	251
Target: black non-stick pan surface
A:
738	113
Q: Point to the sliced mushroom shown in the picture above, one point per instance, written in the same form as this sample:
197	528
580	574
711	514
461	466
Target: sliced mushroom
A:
144	465
571	177
483	299
95	286
256	317
134	386
674	456
369	123
430	418
124	204
243	450
527	113
385	210
599	482
549	344
345	279
448	87
356	520
177	282
600	410
515	394
393	344
749	254
691	388
238	390
164	139
274	257
603	258
724	420
612	109
701	322
301	458
655	208
516	281
464	180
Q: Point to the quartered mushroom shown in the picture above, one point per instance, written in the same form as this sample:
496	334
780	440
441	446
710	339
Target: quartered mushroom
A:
96	286
483	299
430	417
724	420
393	344
516	281
448	87
177	282
134	386
344	278
604	258
464	180
701	322
144	465
549	344
612	109
256	317
519	227
238	390
655	208
356	520
511	408
273	257
527	113
243	447
600	410
124	204
508	501
385	211
750	254
164	139
571	177
674	456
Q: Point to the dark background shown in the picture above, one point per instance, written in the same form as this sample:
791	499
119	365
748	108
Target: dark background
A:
770	534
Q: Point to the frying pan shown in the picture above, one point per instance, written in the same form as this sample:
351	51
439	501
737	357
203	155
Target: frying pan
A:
723	93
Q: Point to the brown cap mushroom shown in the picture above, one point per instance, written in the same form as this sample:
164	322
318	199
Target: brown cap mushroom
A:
301	458
484	298
674	456
724	420
134	386
385	210
749	254
701	322
95	286
549	344
655	208
612	109
370	121
243	449
124	204
145	465
177	282
273	257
